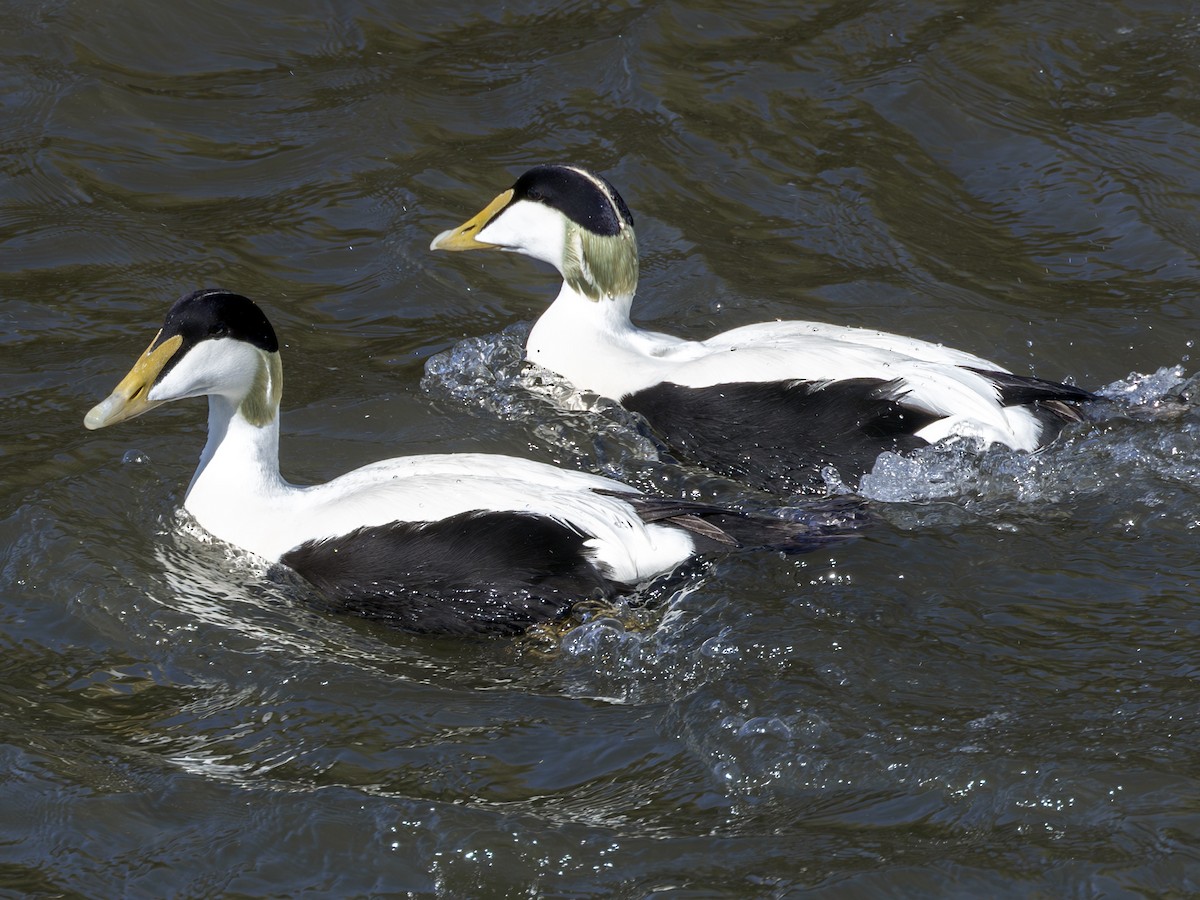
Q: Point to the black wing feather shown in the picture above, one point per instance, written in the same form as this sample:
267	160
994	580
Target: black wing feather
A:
1022	390
1054	404
797	530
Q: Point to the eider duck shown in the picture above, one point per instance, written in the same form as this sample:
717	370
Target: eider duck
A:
466	543
772	403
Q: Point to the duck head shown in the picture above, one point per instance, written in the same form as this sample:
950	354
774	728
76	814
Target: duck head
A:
213	343
566	216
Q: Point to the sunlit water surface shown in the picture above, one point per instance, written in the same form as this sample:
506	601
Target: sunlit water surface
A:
992	693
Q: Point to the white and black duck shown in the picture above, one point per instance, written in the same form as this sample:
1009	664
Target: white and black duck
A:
770	403
453	543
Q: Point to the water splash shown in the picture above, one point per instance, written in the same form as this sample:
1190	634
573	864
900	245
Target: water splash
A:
1156	390
1147	436
483	372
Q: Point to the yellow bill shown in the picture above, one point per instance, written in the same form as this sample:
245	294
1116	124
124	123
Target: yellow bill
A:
129	398
463	237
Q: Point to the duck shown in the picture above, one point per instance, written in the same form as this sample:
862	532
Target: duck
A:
771	404
458	543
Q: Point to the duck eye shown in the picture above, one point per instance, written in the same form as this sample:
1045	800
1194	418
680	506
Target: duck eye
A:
536	195
218	330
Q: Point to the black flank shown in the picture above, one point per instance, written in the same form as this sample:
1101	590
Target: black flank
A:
472	574
574	195
778	435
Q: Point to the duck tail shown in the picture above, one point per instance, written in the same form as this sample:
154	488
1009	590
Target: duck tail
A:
797	529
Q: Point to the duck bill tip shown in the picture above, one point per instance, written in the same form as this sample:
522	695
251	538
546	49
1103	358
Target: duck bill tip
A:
465	236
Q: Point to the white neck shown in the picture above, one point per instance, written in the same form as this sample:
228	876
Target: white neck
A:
595	346
238	474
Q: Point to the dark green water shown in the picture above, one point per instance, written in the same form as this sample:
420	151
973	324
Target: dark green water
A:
994	694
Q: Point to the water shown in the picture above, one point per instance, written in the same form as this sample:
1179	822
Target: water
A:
993	694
